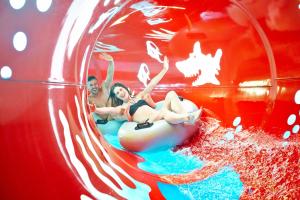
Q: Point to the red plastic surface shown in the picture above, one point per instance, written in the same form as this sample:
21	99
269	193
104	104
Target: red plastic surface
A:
43	104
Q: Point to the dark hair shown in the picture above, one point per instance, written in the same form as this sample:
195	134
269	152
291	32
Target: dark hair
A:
115	101
90	78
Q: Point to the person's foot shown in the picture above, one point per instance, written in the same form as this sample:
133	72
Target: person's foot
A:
194	116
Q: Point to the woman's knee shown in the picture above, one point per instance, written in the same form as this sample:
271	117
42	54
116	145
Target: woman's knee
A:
171	94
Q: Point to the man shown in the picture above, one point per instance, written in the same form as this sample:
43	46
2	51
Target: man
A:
99	93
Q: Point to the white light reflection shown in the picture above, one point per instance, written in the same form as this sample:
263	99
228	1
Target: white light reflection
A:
51	87
141	190
291	119
296	129
91	163
120	20
147	8
86	11
255	91
148	12
117	1
17	4
43	5
297	97
104	166
74	25
104	16
163	35
155	21
153	51
204	66
80	168
208	15
20	41
106	2
144	74
286	134
6	72
101	47
82	68
236	121
256	83
84	197
55	129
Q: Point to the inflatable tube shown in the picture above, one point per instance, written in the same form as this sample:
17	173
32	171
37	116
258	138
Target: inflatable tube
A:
160	135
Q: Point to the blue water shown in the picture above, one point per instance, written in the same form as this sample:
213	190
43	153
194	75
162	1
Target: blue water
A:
161	162
169	162
226	184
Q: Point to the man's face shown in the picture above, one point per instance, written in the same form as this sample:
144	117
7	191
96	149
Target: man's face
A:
93	87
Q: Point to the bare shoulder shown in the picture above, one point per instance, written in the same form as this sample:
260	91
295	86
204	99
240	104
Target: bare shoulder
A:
91	99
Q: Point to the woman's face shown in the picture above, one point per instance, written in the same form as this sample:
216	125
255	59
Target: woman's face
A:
121	93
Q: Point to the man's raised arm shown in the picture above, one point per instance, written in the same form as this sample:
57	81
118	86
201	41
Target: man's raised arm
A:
110	70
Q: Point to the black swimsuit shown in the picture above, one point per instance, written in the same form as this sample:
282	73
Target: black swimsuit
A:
133	108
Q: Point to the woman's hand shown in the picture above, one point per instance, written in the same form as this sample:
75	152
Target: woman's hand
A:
166	63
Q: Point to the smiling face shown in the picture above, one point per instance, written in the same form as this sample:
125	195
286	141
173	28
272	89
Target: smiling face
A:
93	87
121	93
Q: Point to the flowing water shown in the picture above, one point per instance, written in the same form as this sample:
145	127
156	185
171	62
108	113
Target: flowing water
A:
250	164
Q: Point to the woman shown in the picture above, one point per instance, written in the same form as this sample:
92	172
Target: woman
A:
140	108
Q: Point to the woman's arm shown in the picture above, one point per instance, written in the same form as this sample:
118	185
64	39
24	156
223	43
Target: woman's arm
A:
119	110
156	79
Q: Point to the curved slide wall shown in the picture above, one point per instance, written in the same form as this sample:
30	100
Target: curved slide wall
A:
239	60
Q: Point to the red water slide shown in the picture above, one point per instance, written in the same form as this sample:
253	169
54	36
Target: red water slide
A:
240	60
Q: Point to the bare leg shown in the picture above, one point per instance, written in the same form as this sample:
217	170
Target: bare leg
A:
155	116
173	103
194	116
175	118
